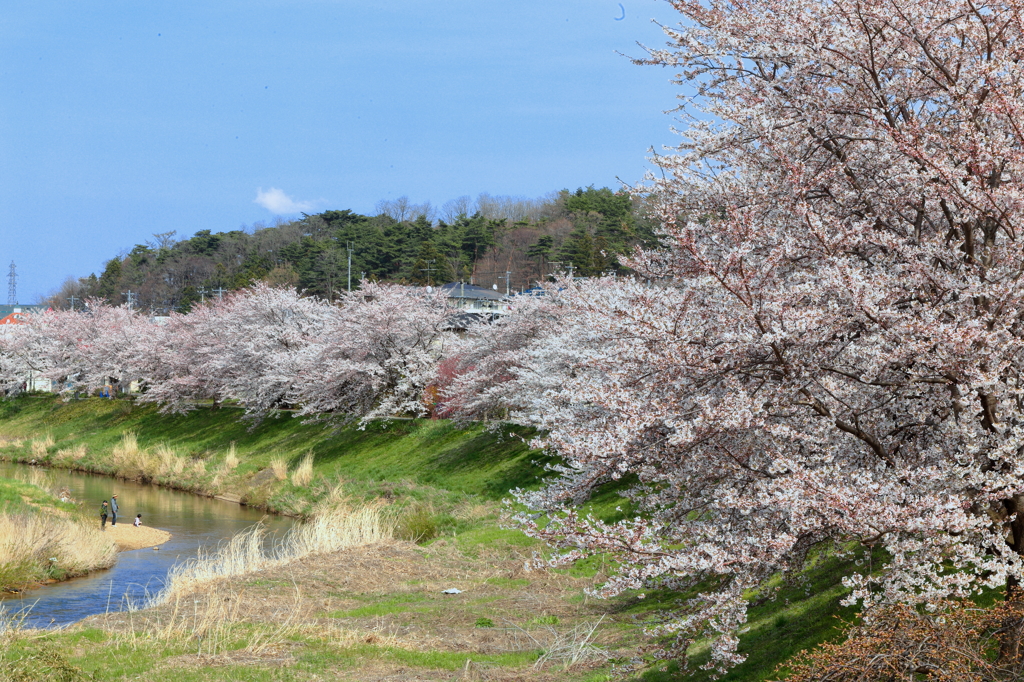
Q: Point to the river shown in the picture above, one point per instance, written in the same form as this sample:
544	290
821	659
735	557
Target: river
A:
193	522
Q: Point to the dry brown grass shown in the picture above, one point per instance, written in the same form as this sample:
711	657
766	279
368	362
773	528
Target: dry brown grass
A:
197	468
214	620
131	461
169	461
231	459
335	525
28	542
41	447
303	474
69	456
365	600
279	465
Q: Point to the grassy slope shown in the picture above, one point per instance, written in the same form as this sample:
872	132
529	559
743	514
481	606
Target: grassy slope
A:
430	468
405	453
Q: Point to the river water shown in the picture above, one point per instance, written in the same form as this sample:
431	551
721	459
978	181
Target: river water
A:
193	522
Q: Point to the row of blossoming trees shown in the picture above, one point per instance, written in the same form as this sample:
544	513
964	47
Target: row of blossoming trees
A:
828	350
264	348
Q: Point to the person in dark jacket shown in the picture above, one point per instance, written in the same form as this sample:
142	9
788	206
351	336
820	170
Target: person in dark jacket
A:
104	509
113	510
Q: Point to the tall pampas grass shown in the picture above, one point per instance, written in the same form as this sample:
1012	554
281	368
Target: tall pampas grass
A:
41	447
68	456
231	459
303	474
169	461
33	545
336	524
280	468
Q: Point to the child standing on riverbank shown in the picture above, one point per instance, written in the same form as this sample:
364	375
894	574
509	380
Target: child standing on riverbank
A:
138	520
103	515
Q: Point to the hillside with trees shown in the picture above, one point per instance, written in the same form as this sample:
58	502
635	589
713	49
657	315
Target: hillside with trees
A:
505	241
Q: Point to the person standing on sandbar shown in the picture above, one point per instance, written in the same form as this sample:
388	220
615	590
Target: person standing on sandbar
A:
113	510
103	515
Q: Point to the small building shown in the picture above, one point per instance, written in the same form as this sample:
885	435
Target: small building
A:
469	298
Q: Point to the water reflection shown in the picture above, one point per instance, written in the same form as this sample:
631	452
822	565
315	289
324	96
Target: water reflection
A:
193	522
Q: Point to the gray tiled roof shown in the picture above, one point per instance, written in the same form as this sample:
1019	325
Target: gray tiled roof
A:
471	291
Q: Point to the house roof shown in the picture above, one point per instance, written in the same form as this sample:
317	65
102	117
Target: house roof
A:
470	291
17	314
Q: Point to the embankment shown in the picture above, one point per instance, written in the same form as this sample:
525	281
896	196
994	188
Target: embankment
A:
282	464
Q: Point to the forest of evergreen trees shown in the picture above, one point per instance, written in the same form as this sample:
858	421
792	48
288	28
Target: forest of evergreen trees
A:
492	240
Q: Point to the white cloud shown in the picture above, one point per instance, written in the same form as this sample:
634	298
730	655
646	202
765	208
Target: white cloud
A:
279	203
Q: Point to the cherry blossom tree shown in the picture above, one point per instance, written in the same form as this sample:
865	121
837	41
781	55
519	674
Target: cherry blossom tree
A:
18	362
82	351
477	378
829	347
377	355
244	347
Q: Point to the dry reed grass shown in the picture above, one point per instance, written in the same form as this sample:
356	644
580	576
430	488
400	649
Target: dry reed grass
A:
303	474
33	545
231	459
67	456
280	468
216	622
131	461
40	448
169	462
335	525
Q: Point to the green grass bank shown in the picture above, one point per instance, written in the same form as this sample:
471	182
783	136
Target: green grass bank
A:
377	613
213	452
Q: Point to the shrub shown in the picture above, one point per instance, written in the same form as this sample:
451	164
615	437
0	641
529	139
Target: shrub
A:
417	524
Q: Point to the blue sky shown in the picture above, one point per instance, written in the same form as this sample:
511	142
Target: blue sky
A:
119	119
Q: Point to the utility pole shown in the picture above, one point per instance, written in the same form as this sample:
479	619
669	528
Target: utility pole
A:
507	277
429	269
350	267
72	301
131	296
202	295
12	286
220	292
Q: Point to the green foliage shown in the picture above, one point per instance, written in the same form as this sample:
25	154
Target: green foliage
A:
418	525
312	254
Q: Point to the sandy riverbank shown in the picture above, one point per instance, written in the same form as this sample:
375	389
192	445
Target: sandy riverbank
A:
128	537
